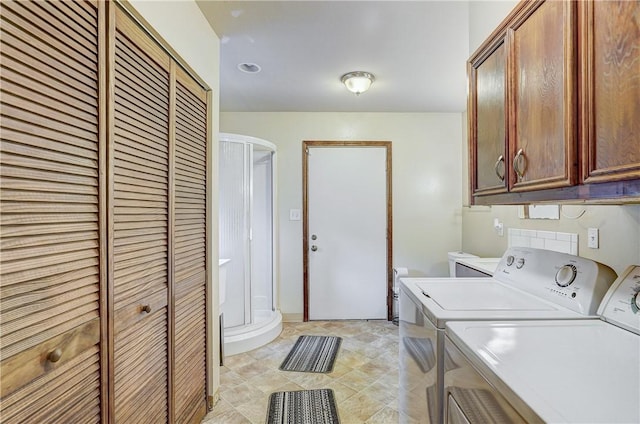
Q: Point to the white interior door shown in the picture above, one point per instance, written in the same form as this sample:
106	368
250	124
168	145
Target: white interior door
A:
347	233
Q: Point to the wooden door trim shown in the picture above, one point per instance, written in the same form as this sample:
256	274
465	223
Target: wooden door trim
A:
306	144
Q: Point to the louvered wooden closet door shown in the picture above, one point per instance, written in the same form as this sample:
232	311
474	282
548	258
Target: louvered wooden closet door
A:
190	250
50	246
140	196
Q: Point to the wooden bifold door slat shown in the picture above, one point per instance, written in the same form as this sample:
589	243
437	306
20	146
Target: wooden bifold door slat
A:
44	400
81	67
103	225
50	266
141	122
190	307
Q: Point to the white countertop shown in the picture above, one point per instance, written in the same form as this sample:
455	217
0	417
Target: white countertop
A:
486	265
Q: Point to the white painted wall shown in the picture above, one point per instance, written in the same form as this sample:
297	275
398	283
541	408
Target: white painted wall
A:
426	151
619	225
185	29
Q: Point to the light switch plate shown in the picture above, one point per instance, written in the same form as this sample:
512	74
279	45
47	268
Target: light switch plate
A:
295	215
593	238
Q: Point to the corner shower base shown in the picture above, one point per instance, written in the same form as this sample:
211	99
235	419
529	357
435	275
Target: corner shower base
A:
252	336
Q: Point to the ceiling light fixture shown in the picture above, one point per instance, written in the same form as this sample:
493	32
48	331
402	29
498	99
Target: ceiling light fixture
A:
357	82
249	68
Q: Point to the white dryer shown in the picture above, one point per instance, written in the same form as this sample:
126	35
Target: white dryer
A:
585	371
528	284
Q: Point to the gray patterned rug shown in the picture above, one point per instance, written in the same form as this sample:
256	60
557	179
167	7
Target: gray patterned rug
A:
312	354
303	407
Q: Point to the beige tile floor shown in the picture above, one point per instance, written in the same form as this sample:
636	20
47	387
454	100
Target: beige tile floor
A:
364	377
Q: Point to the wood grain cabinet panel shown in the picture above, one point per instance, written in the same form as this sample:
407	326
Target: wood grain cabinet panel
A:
487	72
51	255
611	90
543	151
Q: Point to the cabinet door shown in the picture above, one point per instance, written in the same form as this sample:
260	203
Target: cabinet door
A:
139	225
543	129
51	270
488	120
190	253
611	88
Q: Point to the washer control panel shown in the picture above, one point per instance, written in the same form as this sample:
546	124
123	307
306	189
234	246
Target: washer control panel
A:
566	275
571	281
621	305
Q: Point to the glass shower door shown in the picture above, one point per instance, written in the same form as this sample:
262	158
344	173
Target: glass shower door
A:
233	216
246	232
262	237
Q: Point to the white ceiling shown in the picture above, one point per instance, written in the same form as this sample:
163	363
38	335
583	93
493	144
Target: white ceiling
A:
417	51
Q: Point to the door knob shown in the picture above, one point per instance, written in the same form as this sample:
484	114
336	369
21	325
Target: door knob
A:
55	355
314	248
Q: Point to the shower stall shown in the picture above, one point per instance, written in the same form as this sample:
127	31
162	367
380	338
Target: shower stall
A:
247	172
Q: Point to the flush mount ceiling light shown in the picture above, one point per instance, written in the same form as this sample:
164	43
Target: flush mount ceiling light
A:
357	82
249	68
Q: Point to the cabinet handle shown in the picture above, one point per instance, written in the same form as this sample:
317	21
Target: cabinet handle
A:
516	164
146	308
500	159
55	355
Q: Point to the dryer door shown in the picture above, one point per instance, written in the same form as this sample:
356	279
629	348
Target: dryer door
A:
469	398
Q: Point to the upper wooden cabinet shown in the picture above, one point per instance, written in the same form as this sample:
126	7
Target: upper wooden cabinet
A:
487	108
572	111
610	90
542	138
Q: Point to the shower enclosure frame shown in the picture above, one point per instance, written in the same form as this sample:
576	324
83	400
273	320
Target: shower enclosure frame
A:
252	334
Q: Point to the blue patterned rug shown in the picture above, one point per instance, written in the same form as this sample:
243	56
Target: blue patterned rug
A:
303	407
312	354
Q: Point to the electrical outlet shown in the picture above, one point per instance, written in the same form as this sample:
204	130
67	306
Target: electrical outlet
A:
593	238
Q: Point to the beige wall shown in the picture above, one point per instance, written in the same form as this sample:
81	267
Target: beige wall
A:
426	182
619	230
185	29
619	225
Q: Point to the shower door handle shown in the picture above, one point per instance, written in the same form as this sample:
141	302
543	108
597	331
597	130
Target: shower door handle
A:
314	248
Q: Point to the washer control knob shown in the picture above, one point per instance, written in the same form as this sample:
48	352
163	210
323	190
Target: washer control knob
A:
520	263
566	275
510	260
636	301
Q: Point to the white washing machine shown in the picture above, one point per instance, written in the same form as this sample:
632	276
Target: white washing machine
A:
585	371
528	284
